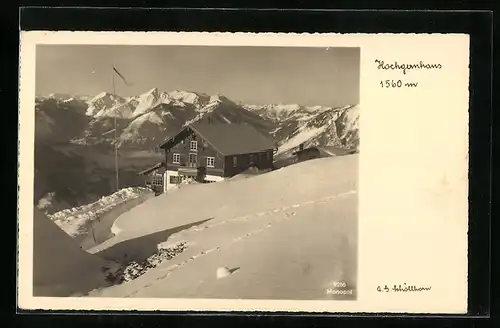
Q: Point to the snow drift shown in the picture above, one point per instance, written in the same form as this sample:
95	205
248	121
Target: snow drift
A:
74	220
286	234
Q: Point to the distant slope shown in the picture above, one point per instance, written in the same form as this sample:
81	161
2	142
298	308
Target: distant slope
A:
59	120
313	126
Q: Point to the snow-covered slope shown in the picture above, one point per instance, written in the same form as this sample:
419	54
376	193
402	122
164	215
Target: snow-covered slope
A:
189	97
60	267
153	126
149	100
150	128
326	127
265	238
109	105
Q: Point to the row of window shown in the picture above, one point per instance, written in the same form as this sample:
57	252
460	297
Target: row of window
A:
193	159
210	161
193	146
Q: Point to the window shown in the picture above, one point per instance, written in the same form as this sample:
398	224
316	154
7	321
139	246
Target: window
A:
175	179
193	160
251	158
210	161
158	179
235	161
176	158
193	145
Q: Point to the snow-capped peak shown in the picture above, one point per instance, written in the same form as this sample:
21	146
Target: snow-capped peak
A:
99	96
149	100
153	91
220	98
102	102
187	97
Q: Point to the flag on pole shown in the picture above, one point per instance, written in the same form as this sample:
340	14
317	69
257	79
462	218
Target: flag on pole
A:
121	76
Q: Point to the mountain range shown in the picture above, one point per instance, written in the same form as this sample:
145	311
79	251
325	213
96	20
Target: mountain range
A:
144	121
75	136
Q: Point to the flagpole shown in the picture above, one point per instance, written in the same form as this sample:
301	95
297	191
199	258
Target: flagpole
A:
116	138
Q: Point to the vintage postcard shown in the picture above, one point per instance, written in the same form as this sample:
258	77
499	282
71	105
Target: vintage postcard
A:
243	172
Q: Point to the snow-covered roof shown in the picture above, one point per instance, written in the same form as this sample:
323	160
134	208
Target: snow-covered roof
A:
230	138
151	168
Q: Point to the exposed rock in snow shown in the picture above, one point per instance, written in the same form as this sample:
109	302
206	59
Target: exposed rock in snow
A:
103	101
333	127
149	100
135	270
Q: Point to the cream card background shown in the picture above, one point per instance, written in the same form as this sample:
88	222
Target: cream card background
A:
413	171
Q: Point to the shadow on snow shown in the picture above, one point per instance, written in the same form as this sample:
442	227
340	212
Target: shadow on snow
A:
141	248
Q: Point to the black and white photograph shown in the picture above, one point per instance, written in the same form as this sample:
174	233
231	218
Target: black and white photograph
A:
196	172
235	172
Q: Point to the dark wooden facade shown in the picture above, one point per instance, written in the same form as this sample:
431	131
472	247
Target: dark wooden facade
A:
181	156
193	163
238	163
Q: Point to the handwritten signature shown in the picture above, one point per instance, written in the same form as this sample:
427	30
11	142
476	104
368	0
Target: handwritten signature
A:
403	288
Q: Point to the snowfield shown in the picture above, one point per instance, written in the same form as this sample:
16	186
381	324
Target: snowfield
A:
286	234
301	136
74	220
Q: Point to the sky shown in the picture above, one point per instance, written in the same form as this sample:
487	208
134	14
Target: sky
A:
253	75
